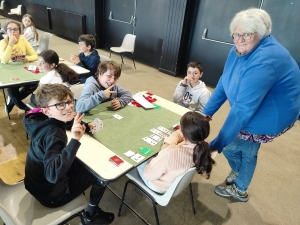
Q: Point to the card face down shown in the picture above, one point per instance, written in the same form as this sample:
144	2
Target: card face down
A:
116	160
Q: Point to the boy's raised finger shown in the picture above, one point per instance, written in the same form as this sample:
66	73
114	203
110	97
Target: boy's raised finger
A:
110	87
78	117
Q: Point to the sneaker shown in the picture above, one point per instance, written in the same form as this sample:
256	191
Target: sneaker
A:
231	191
100	217
231	178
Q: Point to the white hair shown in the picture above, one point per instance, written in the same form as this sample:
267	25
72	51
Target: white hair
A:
252	20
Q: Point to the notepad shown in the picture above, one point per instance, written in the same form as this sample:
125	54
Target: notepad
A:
141	100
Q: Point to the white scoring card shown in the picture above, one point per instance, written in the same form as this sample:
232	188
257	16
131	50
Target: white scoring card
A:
129	153
156	137
165	130
31	67
159	133
149	141
117	116
137	157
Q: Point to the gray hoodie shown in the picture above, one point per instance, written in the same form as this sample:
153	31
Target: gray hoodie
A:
93	95
192	98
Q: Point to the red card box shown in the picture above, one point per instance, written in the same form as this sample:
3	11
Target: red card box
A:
116	160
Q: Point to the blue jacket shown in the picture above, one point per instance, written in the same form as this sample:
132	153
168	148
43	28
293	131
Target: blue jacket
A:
263	90
89	62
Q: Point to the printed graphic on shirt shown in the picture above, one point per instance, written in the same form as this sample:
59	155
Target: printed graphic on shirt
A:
187	99
17	55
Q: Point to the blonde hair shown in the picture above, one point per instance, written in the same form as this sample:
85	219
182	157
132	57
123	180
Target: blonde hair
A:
32	26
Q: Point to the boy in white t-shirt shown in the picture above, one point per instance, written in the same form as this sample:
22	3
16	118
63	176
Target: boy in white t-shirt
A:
191	92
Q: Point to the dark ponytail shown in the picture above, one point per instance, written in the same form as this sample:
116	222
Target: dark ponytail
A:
195	128
202	158
66	73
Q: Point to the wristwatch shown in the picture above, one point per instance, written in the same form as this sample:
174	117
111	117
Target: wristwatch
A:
183	85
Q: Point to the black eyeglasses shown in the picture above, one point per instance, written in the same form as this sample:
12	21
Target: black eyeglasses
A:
12	29
246	36
62	105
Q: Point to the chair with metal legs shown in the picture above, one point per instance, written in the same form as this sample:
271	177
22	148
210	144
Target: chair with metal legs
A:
175	189
19	207
127	46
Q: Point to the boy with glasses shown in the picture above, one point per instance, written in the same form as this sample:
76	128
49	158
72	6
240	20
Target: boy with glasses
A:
53	175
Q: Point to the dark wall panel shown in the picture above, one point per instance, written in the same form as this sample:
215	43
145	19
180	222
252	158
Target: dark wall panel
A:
40	16
11	4
115	30
83	7
215	16
285	18
172	37
149	29
68	25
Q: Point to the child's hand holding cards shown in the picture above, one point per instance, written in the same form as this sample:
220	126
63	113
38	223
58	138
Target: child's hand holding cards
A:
98	125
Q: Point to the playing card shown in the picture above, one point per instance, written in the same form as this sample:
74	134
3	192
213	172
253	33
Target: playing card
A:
149	141
176	126
31	67
98	125
159	133
137	157
165	130
156	137
117	116
116	160
129	153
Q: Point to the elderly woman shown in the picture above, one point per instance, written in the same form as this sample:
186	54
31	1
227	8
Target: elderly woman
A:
16	46
262	84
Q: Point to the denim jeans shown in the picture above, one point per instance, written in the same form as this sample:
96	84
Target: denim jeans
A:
242	158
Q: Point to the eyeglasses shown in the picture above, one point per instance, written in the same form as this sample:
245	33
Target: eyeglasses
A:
62	105
12	29
246	36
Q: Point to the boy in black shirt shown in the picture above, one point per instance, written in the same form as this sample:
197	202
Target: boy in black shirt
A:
53	174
